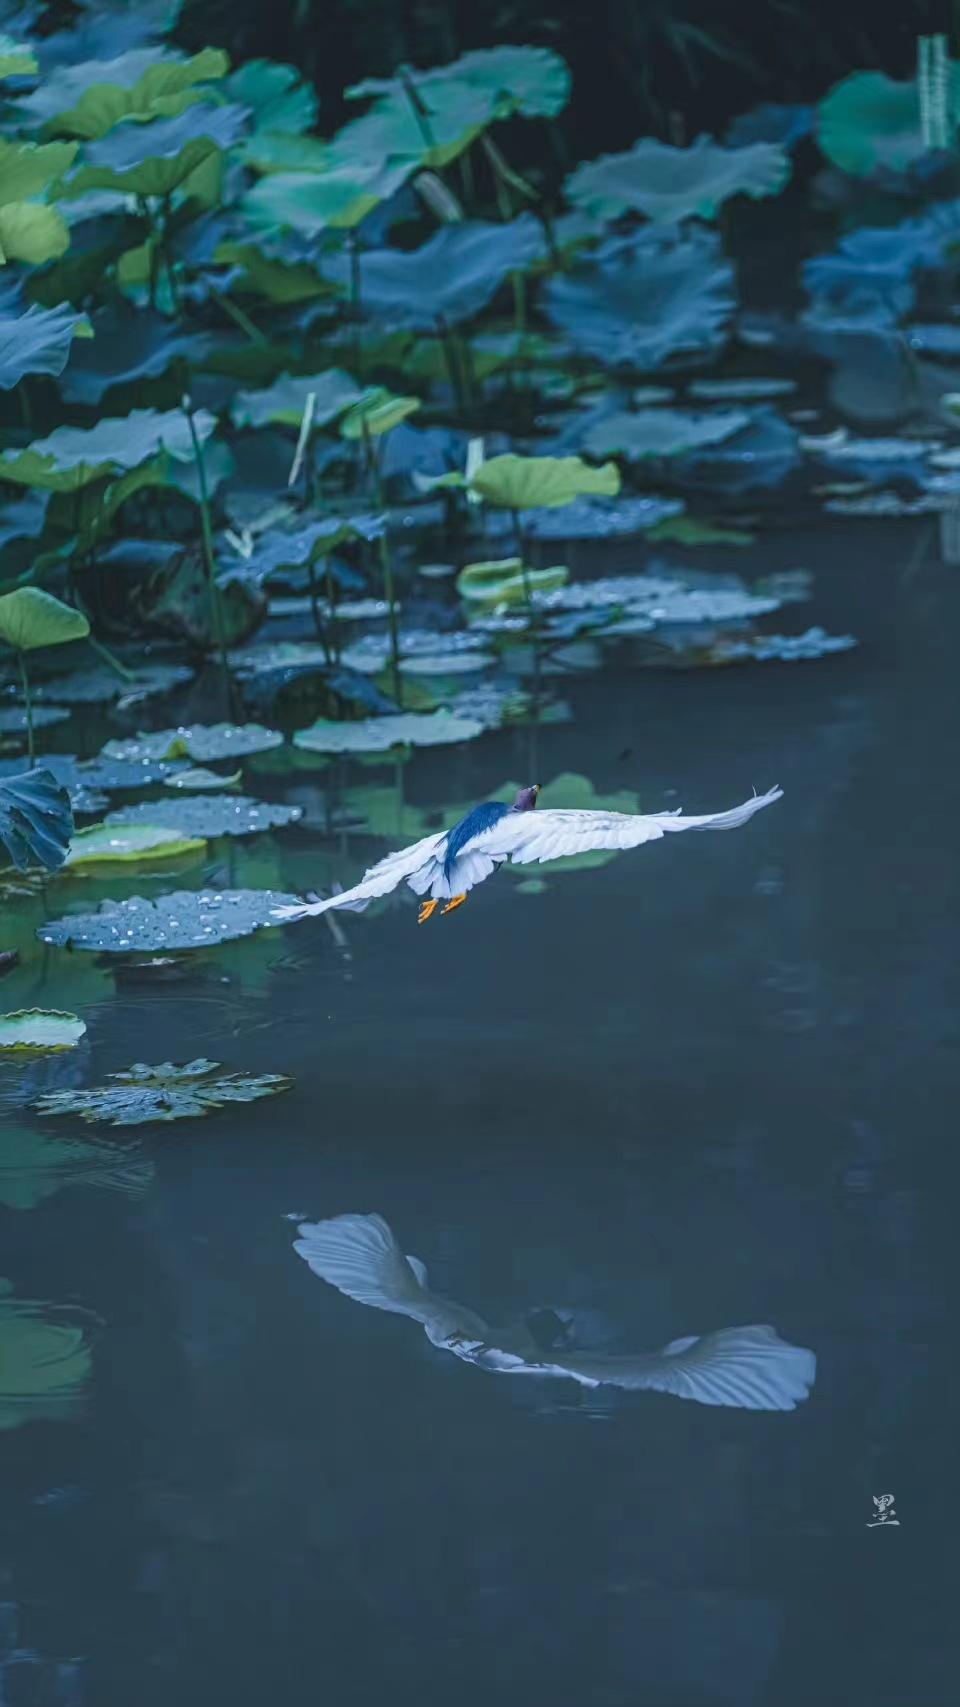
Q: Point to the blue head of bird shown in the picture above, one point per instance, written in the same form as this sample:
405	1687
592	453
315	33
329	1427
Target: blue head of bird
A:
527	798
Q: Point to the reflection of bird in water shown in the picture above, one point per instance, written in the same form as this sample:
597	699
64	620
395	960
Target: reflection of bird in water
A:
751	1368
447	865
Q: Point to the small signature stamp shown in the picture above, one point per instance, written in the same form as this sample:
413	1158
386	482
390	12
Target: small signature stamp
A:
885	1516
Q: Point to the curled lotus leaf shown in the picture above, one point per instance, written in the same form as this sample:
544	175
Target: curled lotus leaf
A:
185	919
36	820
40	1030
669	184
379	734
506	581
208	815
163	1092
376	412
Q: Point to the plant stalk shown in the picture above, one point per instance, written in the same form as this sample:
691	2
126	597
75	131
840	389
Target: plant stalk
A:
209	556
28	705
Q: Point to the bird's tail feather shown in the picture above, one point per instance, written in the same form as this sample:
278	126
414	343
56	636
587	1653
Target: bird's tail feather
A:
359	1255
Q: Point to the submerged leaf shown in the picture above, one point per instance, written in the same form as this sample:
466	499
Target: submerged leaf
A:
185	919
379	734
164	1092
40	1029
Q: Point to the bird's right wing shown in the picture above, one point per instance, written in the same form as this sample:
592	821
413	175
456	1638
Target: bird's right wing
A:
380	879
750	1368
359	1255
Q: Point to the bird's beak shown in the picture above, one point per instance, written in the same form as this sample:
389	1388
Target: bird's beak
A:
536	787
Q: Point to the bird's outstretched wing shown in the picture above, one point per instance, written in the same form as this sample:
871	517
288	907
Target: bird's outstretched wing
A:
359	1255
381	878
751	1368
544	834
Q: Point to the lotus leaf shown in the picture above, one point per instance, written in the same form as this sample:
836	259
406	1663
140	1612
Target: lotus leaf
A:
36	822
40	1029
377	412
110	843
87	100
73	456
39	341
30	618
452	276
157	158
379	734
283	403
28	169
16	59
13	718
530	81
208	815
199	741
312	202
733	390
599	518
771	122
44	1359
761	454
32	233
278	550
642	298
127	347
199	780
100	685
542	482
869	120
662	432
165	1092
274	95
185	919
454	116
670	184
506	581
24	519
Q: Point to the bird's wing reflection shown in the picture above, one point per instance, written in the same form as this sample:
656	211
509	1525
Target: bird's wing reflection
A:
750	1368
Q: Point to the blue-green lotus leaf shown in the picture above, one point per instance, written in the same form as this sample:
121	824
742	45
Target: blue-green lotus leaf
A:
869	120
457	113
72	456
209	815
13	718
379	734
274	95
128	346
192	918
39	341
198	741
99	684
644	298
36	821
599	518
25	518
533	82
670	184
313	202
165	1092
17	59
453	275
661	432
89	99
279	550
29	169
283	403
155	159
770	122
763	453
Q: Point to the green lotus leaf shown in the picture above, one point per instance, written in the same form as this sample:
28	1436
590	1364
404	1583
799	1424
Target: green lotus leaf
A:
670	184
16	60
269	151
185	919
530	81
870	120
198	780
505	582
456	114
73	456
283	403
157	158
312	202
542	482
377	412
33	233
163	90
199	741
38	341
44	1361
111	842
164	1092
662	432
379	734
280	282
208	815
41	1029
30	618
274	95
28	169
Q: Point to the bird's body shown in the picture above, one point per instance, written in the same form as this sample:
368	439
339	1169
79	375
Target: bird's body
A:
751	1368
447	865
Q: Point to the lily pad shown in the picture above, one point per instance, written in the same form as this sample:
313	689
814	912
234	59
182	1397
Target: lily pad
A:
42	1030
209	815
379	734
542	482
198	780
89	98
532	82
376	412
453	275
505	581
30	618
199	741
99	685
44	1360
441	663
13	719
72	456
747	389
143	840
643	298
157	158
662	432
599	518
185	919
670	184
36	821
39	341
283	403
870	120
165	1092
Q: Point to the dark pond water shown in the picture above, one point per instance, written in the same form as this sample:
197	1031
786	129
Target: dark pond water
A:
706	1084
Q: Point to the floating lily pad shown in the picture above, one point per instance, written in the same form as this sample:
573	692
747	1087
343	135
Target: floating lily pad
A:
199	741
40	1029
73	456
143	840
98	685
441	663
379	734
662	432
185	919
164	1092
198	779
44	1360
732	390
13	718
599	518
670	184
209	815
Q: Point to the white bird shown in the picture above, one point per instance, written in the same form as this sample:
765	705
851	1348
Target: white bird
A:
750	1368
449	864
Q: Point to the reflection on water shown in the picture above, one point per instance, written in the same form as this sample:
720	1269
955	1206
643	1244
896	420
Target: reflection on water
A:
750	1368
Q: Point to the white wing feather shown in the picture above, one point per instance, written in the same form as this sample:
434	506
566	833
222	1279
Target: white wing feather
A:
750	1368
381	878
543	835
359	1255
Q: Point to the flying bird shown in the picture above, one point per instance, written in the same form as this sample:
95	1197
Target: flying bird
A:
750	1368
447	865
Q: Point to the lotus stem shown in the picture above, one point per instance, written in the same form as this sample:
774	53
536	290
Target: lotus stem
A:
355	303
420	110
386	570
238	316
209	556
306	424
112	660
27	704
331	587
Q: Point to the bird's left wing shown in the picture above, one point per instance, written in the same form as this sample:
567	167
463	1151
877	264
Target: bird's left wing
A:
388	874
544	834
